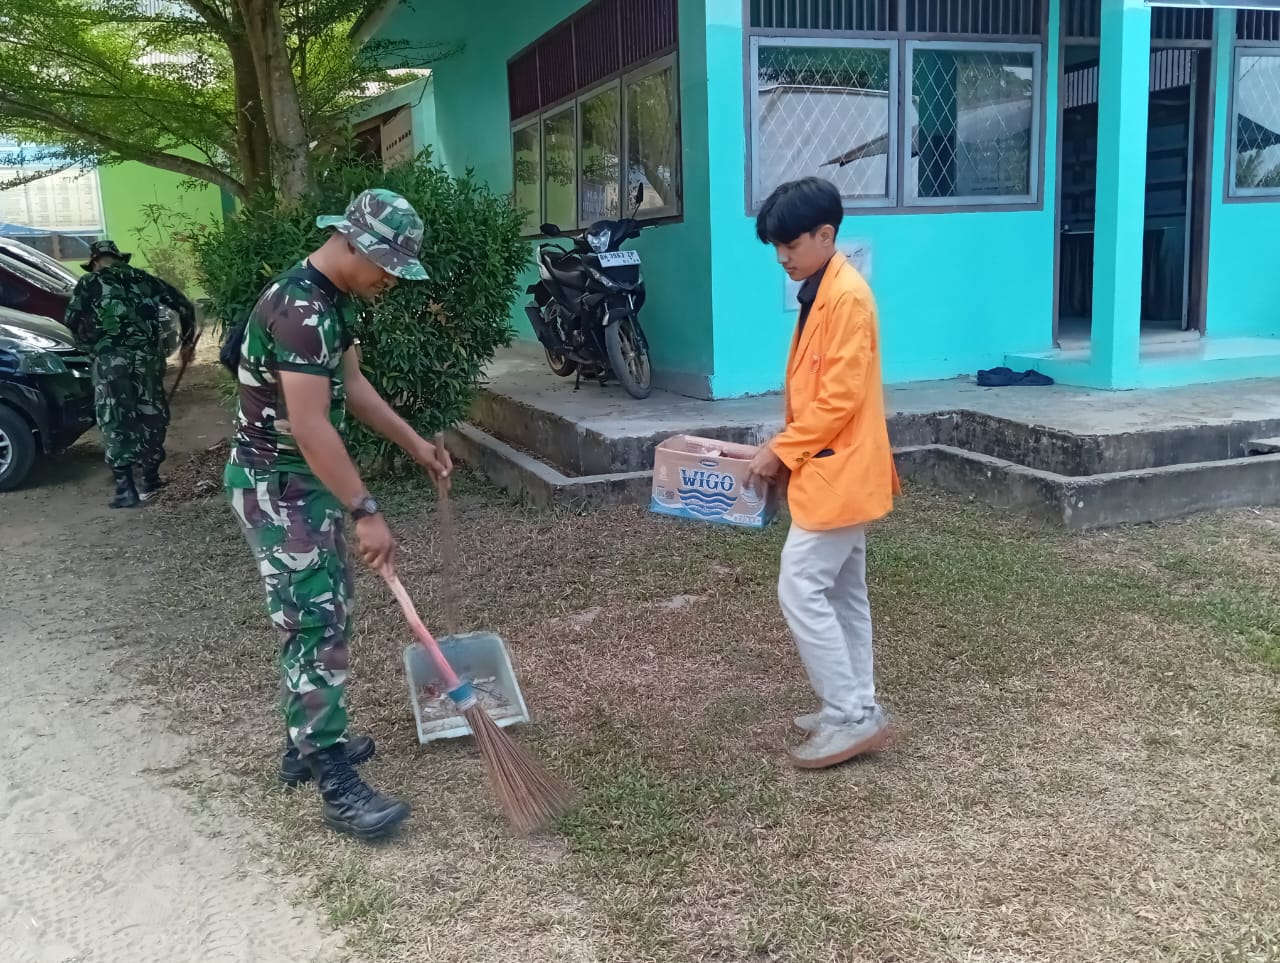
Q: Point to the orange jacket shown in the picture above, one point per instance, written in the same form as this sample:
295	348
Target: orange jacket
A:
835	404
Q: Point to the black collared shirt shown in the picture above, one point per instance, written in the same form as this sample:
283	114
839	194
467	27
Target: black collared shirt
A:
808	294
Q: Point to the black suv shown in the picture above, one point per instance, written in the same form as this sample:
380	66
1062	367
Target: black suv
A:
46	392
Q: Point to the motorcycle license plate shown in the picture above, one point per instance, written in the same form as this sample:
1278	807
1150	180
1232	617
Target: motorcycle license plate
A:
619	258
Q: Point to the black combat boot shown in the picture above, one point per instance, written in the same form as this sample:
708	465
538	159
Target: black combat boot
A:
151	483
351	805
294	772
126	493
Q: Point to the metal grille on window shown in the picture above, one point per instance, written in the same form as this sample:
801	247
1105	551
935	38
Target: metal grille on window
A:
648	28
1258	26
557	74
1082	20
824	110
522	84
1012	18
1257	122
595	40
864	16
972	117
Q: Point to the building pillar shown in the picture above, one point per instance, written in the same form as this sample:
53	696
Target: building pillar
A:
1123	90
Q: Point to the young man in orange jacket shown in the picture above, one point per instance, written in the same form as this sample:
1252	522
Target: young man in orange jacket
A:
835	460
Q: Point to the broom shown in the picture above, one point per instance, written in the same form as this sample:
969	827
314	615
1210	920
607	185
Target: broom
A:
528	795
183	369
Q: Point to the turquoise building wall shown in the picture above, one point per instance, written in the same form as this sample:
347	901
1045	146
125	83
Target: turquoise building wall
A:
1244	291
473	121
956	291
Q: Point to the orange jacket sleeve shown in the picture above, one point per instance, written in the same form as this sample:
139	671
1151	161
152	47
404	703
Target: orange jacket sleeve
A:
842	389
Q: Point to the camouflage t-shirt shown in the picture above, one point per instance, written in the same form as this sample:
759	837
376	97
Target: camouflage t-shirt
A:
119	307
302	322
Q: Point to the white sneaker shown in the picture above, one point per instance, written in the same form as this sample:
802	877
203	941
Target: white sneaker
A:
806	723
829	745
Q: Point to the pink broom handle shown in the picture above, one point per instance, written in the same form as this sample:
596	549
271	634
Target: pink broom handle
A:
459	691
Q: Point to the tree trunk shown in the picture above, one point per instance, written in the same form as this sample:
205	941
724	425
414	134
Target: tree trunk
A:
280	92
253	139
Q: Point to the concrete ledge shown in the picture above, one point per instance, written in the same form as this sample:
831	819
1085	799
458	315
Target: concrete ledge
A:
577	450
1102	500
538	483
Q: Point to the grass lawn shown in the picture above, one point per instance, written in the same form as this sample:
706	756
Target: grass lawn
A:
1087	769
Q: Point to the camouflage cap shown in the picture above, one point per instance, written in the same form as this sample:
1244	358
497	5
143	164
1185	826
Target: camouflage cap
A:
386	229
104	248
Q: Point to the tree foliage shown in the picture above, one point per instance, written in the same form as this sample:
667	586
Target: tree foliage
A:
239	93
423	345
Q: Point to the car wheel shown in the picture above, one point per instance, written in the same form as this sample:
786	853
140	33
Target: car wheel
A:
17	449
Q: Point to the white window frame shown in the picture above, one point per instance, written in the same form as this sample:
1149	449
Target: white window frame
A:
1037	97
1233	190
591	94
535	122
643	72
543	119
895	124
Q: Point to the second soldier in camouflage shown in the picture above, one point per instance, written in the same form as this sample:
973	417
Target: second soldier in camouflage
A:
115	314
293	486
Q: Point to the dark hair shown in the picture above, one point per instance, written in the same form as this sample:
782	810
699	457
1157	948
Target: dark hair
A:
799	207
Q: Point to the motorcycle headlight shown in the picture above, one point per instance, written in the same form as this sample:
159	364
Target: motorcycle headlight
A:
599	240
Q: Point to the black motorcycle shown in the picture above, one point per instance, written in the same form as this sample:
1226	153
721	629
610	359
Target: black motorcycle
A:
585	309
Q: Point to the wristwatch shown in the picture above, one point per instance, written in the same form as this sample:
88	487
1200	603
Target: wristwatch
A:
363	507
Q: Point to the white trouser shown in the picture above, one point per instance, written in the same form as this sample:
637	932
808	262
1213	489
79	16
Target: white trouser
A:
823	592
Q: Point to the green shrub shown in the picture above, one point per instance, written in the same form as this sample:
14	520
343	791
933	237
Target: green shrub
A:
423	345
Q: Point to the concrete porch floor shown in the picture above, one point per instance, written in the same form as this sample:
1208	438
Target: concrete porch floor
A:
520	375
1073	457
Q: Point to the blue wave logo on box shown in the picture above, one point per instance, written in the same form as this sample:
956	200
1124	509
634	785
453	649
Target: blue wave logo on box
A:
706	493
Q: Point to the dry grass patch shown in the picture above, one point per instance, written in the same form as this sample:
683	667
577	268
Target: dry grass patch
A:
1087	770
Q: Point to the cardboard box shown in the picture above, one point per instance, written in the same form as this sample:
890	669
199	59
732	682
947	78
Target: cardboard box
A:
706	480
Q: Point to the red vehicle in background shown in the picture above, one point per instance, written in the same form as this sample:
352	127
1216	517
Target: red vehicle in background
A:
33	282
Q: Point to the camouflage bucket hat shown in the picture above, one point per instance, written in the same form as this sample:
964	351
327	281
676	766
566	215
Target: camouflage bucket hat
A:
104	248
386	229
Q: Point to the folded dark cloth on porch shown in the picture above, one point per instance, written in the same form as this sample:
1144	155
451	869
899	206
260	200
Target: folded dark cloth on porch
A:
1008	378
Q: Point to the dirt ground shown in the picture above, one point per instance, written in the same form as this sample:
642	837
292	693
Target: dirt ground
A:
1089	767
105	857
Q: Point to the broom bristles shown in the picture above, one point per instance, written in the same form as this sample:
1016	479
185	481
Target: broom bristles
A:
529	796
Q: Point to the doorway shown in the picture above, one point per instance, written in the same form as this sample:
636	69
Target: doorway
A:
1175	214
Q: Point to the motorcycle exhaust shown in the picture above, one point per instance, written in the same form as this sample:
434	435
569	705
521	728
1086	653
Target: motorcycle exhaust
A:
541	328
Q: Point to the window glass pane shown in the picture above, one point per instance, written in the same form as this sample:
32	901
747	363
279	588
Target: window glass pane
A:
601	156
528	176
653	143
1257	105
971	112
560	157
824	111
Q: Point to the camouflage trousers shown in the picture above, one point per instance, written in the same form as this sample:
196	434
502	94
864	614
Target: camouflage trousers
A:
294	527
129	401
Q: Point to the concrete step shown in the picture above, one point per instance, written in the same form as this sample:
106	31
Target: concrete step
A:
1262	446
590	433
538	483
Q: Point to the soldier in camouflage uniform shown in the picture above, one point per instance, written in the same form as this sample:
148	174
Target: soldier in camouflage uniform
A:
292	485
115	315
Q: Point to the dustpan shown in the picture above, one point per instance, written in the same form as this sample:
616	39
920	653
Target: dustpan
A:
479	658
